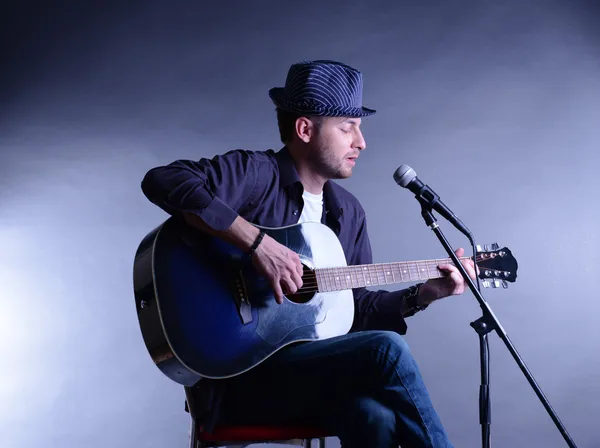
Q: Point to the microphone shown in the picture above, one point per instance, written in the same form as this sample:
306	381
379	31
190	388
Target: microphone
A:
406	177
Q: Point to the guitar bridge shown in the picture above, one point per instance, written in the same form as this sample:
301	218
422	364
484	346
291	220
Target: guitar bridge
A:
241	299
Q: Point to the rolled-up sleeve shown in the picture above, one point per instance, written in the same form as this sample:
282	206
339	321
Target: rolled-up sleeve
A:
212	189
375	310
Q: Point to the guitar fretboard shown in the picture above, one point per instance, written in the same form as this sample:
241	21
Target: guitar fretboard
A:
347	277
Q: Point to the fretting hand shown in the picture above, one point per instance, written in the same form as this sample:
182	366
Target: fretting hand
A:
451	282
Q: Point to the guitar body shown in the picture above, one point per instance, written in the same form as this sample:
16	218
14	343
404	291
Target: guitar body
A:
205	313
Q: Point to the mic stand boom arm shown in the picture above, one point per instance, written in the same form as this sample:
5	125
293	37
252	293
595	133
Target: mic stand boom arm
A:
485	324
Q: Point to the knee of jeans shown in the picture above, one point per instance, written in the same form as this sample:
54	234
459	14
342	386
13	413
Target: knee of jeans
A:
388	350
373	414
390	342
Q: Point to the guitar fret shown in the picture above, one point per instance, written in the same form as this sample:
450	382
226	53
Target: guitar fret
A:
387	273
319	283
378	275
421	269
389	277
374	275
398	271
415	269
434	270
347	279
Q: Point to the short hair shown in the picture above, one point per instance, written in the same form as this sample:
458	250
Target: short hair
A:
286	122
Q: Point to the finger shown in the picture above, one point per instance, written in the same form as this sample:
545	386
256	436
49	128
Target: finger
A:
458	280
459	252
278	292
447	268
300	268
297	279
470	268
475	267
288	285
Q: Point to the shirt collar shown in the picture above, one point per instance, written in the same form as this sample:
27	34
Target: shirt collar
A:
288	175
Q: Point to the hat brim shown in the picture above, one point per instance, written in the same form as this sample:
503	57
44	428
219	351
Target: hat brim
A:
277	95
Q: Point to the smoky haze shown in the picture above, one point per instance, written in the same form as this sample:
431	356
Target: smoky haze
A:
495	106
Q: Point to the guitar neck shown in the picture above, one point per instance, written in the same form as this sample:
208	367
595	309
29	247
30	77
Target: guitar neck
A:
347	277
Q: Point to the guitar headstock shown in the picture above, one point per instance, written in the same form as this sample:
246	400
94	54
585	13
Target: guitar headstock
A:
497	266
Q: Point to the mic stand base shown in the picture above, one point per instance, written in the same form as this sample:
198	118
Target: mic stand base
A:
483	326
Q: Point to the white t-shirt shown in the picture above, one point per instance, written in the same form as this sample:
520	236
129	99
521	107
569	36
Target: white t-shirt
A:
313	207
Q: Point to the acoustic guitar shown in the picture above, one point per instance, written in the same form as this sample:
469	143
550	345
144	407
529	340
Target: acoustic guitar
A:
205	312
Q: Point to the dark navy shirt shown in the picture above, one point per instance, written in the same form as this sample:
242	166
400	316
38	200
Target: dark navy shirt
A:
264	188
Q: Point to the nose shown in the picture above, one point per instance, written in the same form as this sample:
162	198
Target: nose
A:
359	140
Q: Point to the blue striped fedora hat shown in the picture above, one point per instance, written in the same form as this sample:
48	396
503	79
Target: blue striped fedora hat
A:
322	88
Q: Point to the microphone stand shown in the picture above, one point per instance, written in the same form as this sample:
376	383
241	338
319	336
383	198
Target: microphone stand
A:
485	324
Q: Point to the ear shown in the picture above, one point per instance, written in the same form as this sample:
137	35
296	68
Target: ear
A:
305	129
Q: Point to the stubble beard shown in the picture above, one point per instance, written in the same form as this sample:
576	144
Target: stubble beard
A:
328	165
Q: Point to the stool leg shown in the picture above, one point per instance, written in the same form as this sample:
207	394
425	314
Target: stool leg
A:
193	435
307	443
322	442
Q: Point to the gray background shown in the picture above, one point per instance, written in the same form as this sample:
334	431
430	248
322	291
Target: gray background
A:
495	105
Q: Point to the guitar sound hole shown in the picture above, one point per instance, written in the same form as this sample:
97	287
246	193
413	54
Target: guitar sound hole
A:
308	289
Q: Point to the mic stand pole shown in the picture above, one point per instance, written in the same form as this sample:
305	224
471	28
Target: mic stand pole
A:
483	326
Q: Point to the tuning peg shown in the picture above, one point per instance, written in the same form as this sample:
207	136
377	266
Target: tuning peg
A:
478	248
504	284
486	283
497	284
495	246
486	247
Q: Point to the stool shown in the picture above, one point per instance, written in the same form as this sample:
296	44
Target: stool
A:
242	436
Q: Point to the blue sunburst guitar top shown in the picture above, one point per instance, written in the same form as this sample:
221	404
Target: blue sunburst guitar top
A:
203	312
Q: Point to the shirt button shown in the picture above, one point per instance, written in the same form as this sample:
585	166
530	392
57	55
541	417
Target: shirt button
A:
295	212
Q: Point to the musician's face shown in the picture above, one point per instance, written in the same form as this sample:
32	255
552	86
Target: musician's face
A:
335	145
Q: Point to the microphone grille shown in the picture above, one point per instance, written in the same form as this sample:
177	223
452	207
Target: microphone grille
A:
404	175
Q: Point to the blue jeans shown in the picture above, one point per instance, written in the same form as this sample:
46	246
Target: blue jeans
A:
364	387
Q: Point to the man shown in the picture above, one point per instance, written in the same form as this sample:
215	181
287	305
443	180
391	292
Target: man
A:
364	386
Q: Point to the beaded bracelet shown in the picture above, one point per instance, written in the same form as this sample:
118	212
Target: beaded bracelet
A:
254	246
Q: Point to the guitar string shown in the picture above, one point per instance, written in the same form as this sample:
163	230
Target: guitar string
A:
312	284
